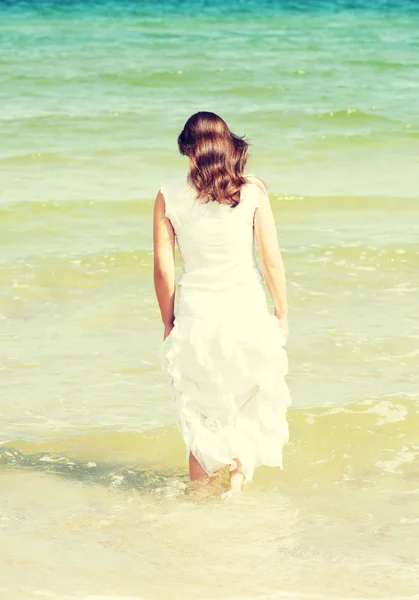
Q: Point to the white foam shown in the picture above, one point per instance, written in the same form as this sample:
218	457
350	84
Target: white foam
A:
390	413
46	594
270	596
402	457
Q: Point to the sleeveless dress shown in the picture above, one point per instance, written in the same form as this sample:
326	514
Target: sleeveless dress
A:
224	357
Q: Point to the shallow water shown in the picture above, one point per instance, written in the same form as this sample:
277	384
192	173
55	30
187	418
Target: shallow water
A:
95	500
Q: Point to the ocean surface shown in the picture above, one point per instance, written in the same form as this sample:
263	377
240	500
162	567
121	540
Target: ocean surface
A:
94	494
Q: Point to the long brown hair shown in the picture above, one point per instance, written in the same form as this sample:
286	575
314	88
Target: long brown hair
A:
217	157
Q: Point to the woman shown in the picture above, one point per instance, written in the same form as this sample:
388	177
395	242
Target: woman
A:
222	348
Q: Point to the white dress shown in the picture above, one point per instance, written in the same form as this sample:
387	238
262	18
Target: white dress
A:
225	356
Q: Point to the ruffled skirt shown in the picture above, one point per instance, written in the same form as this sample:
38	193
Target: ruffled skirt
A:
226	362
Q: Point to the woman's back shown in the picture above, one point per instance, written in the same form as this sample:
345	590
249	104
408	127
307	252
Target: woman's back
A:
216	241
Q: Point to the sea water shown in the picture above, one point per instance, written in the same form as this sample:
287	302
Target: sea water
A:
95	500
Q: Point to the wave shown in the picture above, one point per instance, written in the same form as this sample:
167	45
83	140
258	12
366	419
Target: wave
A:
353	114
74	208
355	255
136	78
383	64
83	214
361	443
102	473
44	159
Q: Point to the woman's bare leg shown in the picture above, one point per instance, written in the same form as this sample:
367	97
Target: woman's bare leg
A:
196	472
236	478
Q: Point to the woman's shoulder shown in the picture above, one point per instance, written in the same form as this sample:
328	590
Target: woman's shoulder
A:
176	197
173	185
256	181
254	190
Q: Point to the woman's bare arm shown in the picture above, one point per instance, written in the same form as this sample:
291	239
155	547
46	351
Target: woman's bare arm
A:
270	254
164	262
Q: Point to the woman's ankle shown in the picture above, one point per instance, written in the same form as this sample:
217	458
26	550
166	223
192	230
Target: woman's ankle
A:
236	480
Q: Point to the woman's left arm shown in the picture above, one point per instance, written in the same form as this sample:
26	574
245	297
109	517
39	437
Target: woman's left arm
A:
164	263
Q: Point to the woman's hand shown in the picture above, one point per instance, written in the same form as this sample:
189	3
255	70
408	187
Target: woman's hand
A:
167	330
283	323
273	269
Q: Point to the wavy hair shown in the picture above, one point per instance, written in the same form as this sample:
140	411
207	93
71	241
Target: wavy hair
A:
217	158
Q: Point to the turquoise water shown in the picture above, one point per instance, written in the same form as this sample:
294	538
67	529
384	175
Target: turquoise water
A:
95	500
328	97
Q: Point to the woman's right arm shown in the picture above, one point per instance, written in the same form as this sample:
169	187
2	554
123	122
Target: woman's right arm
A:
270	255
164	263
